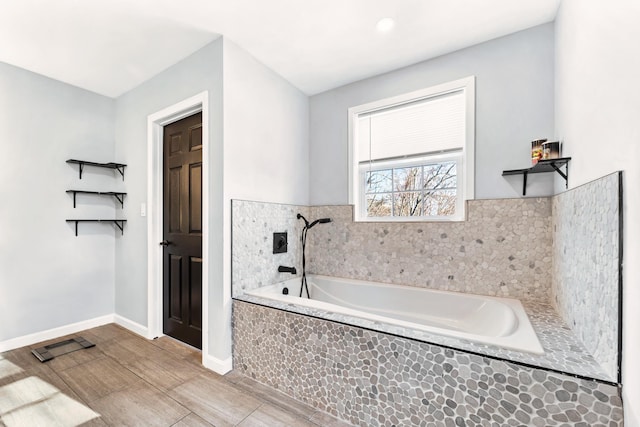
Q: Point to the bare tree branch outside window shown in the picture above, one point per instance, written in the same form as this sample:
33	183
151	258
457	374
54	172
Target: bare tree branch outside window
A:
427	190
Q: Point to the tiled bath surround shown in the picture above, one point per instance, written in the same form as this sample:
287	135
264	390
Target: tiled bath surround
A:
374	379
502	249
562	351
253	225
586	249
383	252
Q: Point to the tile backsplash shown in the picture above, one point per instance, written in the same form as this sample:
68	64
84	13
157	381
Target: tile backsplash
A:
252	227
502	249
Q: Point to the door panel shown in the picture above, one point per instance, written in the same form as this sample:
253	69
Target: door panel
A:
175	287
196	292
183	230
174	200
195	198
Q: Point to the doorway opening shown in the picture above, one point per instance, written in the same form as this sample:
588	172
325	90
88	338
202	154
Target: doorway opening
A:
156	218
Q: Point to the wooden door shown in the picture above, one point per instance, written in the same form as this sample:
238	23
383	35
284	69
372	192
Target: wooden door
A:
182	289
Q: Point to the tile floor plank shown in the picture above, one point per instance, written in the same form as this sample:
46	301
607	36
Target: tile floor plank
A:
176	348
131	349
55	410
107	332
275	397
216	401
192	420
164	373
139	405
98	378
40	371
268	415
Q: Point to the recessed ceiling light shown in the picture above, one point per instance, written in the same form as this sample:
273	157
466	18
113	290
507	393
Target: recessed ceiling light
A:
385	25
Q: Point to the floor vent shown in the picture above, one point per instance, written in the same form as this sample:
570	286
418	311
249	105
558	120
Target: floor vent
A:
50	351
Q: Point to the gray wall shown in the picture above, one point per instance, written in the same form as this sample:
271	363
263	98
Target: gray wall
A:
49	277
266	132
514	105
597	110
198	72
258	149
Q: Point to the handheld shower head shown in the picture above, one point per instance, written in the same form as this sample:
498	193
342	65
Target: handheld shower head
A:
319	221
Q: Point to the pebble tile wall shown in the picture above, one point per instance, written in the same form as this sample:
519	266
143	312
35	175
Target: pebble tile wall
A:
252	227
374	379
503	249
562	351
586	230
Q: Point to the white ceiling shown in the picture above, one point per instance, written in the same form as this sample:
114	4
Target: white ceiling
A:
111	46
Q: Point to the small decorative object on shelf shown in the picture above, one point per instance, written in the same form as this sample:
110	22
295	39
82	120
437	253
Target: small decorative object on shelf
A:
82	163
551	150
536	150
542	166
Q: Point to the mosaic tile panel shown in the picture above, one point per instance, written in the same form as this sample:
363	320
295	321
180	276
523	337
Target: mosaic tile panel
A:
503	249
586	231
562	350
374	379
252	226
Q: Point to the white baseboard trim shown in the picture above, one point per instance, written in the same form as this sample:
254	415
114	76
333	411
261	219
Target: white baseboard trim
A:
217	365
49	334
134	327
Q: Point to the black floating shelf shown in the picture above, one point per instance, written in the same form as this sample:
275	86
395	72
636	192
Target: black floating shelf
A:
543	166
82	163
118	222
119	196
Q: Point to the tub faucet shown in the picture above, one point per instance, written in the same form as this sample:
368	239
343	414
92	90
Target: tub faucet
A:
284	269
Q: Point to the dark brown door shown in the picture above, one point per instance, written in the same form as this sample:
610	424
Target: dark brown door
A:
183	230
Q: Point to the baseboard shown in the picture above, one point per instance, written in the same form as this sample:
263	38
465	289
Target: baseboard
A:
134	327
217	365
49	334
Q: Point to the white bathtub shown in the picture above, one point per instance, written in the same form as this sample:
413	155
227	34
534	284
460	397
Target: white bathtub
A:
490	320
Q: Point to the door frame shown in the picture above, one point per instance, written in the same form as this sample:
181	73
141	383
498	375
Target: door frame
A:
155	124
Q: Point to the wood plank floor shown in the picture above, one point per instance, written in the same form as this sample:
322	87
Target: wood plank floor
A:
126	380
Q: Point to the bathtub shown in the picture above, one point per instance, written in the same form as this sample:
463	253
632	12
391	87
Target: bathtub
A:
495	321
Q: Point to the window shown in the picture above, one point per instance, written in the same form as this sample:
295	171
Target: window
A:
411	156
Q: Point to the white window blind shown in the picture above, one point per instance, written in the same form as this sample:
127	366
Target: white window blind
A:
427	125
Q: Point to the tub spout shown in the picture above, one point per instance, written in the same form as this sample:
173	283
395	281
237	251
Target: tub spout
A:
284	269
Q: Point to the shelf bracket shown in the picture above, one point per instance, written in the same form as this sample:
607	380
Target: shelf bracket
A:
562	174
80	167
120	198
74	203
524	183
120	225
121	170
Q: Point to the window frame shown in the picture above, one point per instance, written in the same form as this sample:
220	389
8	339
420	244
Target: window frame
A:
466	184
